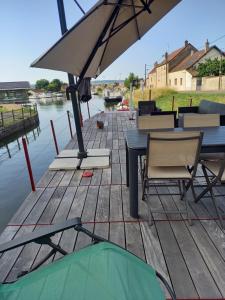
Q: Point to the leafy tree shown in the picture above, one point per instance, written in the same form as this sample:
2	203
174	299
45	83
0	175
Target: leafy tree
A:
55	85
130	79
211	67
42	84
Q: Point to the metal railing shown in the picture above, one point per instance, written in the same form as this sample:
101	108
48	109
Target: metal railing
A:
8	118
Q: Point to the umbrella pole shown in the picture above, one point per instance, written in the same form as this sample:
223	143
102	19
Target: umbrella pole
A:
88	110
72	88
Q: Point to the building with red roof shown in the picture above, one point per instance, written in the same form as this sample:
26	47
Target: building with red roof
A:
178	69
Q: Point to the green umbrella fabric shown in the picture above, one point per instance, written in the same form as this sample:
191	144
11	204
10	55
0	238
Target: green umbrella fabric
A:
102	271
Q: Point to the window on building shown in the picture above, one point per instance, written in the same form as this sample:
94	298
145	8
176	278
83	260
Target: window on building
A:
175	81
181	81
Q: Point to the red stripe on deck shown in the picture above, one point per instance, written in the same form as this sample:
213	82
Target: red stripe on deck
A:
124	221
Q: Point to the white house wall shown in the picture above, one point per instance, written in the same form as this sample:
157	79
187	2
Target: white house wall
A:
182	78
213	53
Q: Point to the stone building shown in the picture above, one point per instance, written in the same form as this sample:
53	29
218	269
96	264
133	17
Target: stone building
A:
178	69
14	92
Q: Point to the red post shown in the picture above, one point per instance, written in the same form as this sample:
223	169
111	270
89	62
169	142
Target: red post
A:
70	127
28	164
190	102
173	103
54	137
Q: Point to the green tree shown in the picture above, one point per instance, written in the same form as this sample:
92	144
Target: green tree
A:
211	67
130	79
42	84
55	85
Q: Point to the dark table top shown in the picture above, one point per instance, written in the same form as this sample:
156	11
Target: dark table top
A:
213	138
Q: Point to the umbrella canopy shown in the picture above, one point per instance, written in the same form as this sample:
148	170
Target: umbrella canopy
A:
107	30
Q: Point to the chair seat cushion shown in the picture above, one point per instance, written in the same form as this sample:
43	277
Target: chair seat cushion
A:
214	168
168	173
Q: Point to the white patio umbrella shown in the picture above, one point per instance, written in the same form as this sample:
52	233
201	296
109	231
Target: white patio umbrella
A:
108	29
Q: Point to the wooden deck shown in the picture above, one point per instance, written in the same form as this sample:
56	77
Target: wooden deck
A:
192	258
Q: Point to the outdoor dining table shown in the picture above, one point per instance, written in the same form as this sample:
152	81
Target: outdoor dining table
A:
136	145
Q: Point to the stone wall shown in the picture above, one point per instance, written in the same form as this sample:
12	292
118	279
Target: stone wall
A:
210	83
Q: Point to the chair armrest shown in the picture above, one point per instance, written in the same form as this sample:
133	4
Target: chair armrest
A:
38	235
188	109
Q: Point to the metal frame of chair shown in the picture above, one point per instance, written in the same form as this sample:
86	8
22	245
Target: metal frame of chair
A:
43	236
156	121
167	138
211	181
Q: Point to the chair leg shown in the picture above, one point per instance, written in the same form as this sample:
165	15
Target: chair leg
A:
150	216
187	204
209	184
141	169
180	187
143	189
210	188
184	188
193	191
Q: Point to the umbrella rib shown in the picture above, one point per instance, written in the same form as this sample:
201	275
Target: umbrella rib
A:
125	5
122	25
136	22
99	41
78	4
108	38
146	5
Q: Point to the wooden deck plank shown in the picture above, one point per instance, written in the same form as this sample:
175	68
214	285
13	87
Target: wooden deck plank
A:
203	281
116	209
66	178
56	179
102	212
192	259
26	207
40	206
46	179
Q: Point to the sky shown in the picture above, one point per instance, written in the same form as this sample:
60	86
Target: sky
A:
30	27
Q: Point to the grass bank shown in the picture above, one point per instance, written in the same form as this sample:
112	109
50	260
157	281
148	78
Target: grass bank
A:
164	97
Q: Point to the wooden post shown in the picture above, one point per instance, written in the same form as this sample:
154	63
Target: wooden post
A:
150	94
13	115
173	103
70	127
54	137
28	164
190	102
22	113
2	119
30	112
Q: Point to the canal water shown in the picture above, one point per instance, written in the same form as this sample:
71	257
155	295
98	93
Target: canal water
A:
14	181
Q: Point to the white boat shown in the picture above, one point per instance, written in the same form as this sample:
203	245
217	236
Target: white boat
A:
45	95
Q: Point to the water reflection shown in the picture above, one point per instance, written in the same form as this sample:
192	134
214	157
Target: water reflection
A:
14	181
13	144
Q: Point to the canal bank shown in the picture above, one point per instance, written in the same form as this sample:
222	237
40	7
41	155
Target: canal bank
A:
14	181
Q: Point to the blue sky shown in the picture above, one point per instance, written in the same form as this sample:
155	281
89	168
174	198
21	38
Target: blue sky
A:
29	27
